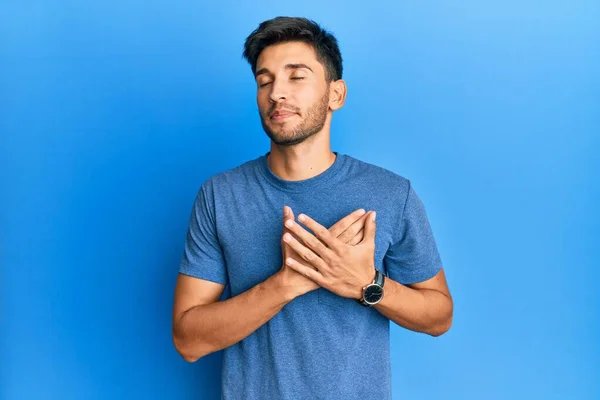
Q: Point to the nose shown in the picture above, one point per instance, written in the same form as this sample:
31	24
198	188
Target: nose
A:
279	91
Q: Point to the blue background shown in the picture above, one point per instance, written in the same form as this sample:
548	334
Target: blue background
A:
113	113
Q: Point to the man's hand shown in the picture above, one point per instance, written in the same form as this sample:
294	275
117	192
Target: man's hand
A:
349	230
290	277
325	259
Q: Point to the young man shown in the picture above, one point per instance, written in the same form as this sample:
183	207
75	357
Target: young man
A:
308	316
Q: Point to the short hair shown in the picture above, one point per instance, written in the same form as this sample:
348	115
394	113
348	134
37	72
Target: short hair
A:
293	29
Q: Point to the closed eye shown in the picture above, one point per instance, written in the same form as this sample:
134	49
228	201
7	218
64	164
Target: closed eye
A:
297	78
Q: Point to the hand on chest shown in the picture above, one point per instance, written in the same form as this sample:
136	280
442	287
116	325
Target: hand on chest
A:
252	241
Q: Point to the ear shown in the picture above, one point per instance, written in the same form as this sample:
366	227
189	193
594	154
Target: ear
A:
337	94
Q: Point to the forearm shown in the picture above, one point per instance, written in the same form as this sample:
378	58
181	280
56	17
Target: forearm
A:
423	310
207	328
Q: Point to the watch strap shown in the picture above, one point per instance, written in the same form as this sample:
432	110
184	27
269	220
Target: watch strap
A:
379	278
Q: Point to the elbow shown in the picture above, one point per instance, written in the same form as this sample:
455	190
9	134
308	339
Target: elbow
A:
441	328
184	350
189	357
445	324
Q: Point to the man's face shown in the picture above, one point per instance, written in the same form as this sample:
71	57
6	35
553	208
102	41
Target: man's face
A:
293	95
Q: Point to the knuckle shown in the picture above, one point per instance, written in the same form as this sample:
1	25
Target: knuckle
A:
314	244
320	247
343	251
344	237
308	256
322	232
352	232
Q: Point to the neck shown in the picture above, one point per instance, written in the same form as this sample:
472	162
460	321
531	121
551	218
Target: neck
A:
299	162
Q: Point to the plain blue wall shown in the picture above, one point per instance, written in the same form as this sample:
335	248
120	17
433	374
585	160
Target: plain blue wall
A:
113	113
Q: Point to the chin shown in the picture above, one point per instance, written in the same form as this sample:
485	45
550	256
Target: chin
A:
286	141
280	132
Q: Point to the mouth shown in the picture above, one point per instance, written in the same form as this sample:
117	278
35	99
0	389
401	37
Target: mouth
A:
280	116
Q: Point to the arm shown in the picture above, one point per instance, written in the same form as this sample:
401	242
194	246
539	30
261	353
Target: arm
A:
203	325
423	307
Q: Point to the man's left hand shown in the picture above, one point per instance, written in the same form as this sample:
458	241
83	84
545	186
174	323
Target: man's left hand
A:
341	268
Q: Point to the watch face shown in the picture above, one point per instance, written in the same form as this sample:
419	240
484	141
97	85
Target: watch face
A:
373	294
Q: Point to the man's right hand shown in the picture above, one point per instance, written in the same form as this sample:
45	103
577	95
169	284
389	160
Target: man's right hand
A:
349	229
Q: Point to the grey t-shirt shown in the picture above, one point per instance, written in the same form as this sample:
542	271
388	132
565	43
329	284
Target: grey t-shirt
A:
320	345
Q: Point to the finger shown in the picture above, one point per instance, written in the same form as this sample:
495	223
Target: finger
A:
321	232
309	239
343	224
357	238
304	252
289	216
308	272
370	229
287	213
352	230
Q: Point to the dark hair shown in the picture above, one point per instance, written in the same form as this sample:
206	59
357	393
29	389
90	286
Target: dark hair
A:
289	29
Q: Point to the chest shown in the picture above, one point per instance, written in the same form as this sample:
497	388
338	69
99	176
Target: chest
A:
250	228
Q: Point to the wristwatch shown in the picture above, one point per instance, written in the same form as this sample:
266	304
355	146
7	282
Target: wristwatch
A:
373	292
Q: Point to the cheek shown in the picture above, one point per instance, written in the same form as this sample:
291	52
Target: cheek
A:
309	97
263	103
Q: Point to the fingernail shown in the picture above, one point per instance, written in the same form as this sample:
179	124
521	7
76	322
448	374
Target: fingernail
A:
374	215
361	211
286	211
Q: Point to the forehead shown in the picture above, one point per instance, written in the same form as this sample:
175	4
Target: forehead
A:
278	55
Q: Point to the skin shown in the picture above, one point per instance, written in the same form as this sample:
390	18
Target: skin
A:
340	258
282	84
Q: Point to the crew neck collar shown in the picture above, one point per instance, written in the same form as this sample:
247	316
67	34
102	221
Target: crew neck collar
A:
304	184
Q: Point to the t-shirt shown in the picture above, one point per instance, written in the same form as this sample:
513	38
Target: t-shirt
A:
320	345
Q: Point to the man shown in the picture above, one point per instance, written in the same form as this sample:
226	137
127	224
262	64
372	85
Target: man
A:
308	316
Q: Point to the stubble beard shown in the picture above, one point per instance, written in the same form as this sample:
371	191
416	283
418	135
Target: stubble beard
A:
312	124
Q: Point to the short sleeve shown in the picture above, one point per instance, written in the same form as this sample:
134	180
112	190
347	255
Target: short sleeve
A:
203	256
414	257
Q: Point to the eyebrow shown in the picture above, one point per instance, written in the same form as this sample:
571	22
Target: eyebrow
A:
288	66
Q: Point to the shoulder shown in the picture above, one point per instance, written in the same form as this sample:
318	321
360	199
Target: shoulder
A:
231	177
378	175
